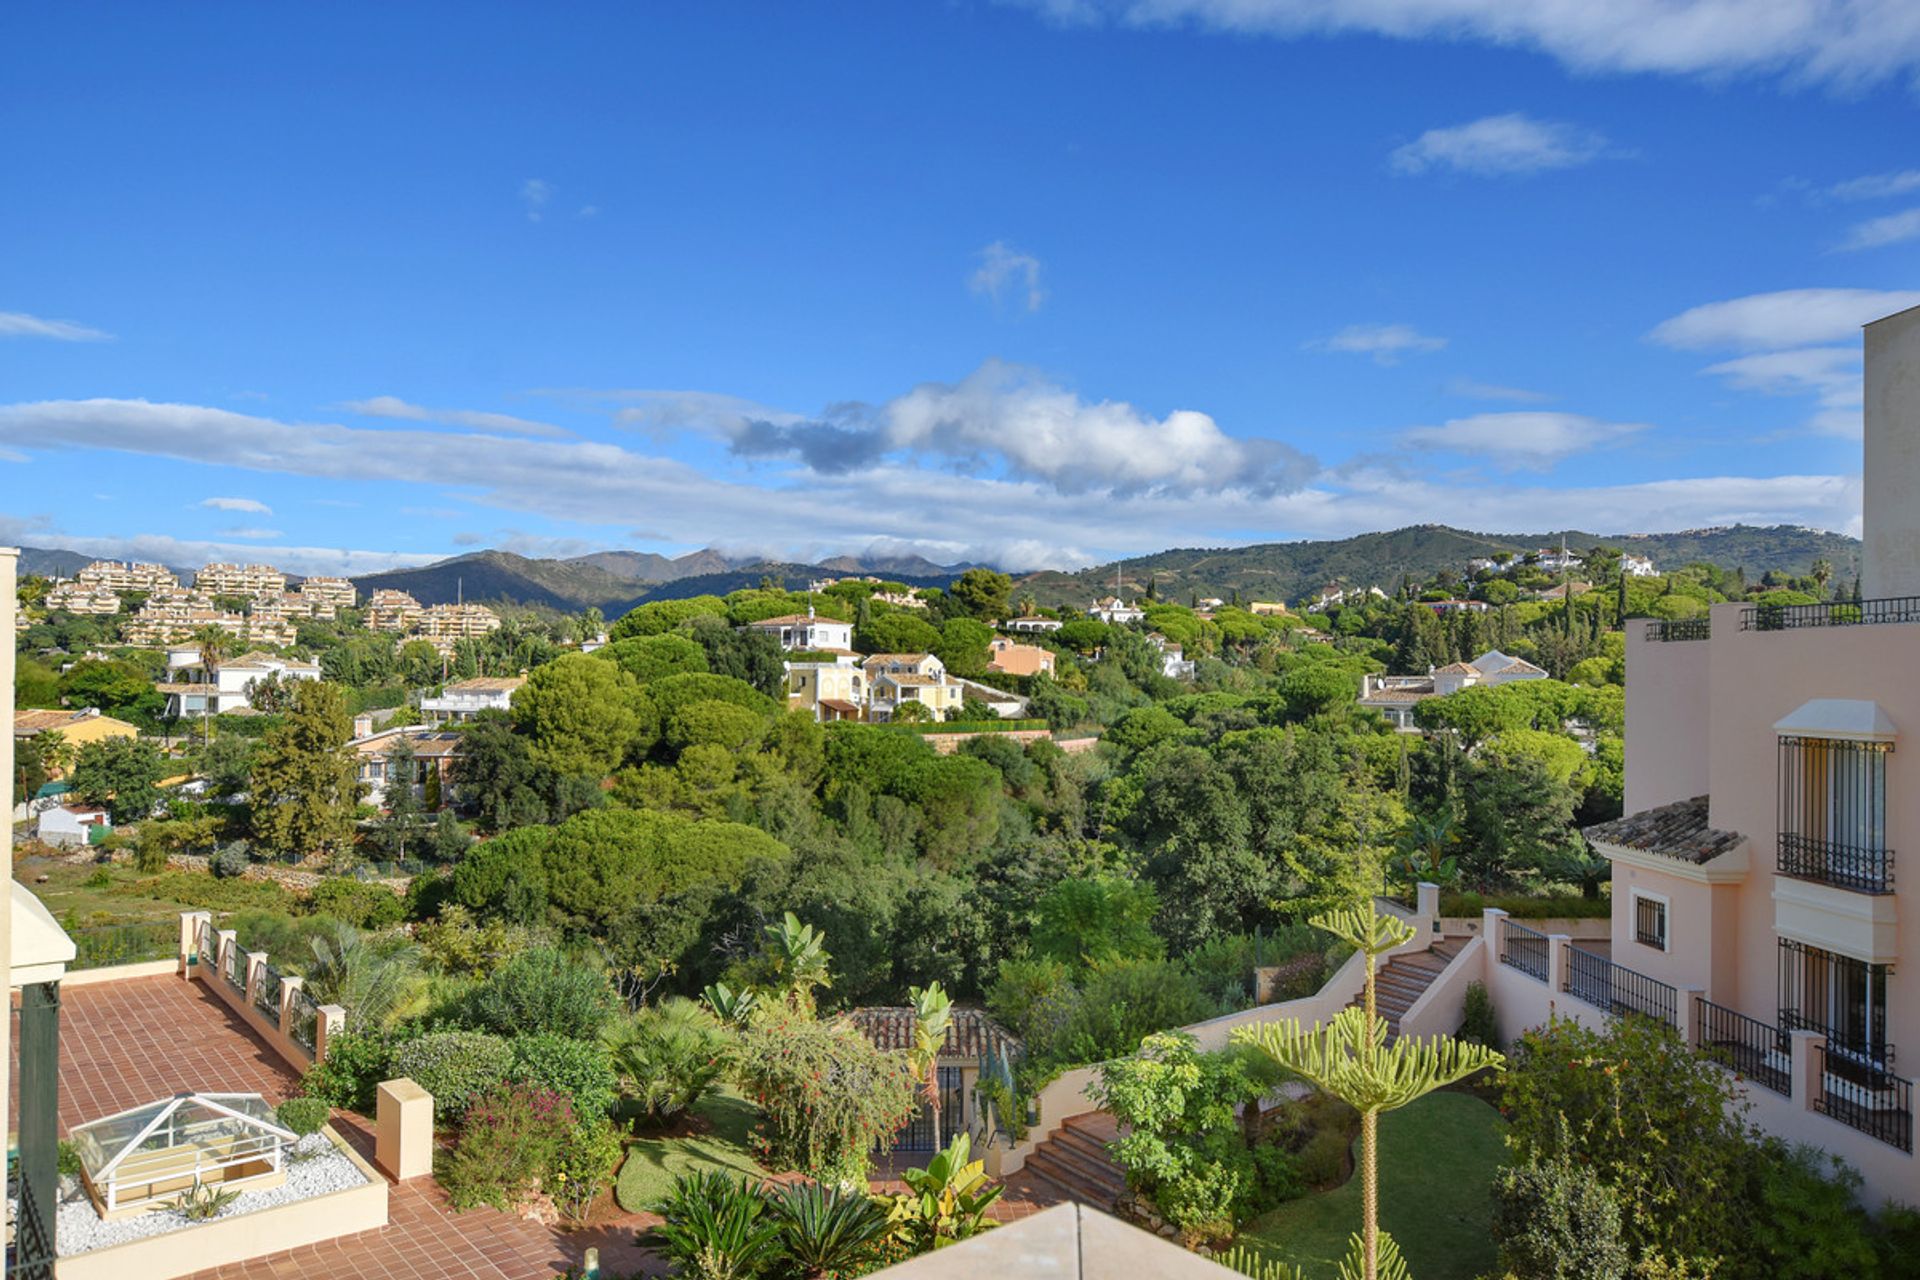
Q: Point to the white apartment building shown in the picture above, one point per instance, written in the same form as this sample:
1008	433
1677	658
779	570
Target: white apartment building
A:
112	575
78	597
332	594
390	610
462	700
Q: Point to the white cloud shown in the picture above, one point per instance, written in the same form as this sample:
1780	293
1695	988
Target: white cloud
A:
1011	516
394	407
1876	186
1506	144
1788	318
1832	375
18	324
1841	42
165	549
1877	233
1473	390
1386	343
1521	441
251	505
534	195
1005	270
263	535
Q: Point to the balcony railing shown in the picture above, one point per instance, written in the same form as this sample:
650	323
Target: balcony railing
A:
1680	629
1524	949
1844	866
1617	989
1866	1096
1756	1050
1856	613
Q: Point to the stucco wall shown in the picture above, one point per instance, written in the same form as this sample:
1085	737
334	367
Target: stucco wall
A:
1891	475
1667	720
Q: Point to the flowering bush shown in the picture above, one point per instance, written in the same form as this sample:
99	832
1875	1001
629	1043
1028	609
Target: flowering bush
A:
509	1148
826	1094
583	1165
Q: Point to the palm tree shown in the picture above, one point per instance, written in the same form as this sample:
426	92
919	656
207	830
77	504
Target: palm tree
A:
932	1017
798	955
377	983
1424	846
1349	1057
1822	575
214	644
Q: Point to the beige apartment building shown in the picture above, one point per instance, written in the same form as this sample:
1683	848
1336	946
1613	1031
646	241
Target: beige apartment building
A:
390	610
112	575
458	621
78	597
328	595
1772	776
255	581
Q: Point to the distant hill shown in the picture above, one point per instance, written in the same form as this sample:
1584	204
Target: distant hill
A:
1286	571
615	581
50	562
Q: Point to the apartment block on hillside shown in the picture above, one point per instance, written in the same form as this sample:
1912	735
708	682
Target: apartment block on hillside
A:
255	581
112	575
390	610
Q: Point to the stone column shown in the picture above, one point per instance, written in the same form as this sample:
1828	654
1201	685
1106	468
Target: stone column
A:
190	957
1492	921
1809	1056
1557	944
330	1021
1684	1014
256	977
403	1130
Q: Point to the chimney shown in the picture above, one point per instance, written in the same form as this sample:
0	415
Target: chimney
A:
363	725
1890	488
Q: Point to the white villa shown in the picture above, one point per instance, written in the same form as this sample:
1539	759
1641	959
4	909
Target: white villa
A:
462	700
1396	696
803	632
190	691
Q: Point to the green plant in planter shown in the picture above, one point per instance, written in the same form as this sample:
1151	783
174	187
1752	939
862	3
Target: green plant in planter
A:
203	1202
947	1201
303	1115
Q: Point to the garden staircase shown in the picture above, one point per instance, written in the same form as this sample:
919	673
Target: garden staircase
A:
1074	1164
1403	979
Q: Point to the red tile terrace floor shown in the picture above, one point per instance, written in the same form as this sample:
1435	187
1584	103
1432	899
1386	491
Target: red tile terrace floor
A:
131	1042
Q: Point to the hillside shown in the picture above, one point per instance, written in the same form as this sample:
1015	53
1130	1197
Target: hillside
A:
51	562
646	566
1287	570
567	585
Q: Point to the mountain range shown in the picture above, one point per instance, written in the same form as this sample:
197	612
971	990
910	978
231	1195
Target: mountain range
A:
616	581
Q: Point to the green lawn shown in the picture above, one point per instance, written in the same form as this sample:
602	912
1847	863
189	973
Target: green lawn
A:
653	1163
66	892
1437	1160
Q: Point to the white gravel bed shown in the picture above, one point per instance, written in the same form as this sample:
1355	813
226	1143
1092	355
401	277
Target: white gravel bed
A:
327	1170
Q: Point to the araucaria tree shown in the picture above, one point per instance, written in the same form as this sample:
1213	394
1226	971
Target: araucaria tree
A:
1349	1057
303	776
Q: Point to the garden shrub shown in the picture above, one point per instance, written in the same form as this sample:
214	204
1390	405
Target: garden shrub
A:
357	1061
362	904
1660	1126
584	1165
578	1069
232	860
1557	1221
456	1067
203	892
1808	1225
1031	998
542	991
1119	1005
509	1146
302	1115
670	1056
1477	1022
826	1094
1186	1150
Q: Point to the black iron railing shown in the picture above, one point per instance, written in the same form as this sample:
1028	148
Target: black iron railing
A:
266	997
1680	629
1617	989
1855	613
305	1017
113	944
1866	1096
1524	949
1843	866
1756	1050
234	969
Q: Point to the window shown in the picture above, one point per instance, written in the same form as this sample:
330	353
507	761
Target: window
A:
1833	812
1650	921
1844	998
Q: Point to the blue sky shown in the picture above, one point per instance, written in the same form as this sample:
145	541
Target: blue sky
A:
1042	283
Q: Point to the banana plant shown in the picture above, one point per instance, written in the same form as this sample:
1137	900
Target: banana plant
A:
799	958
947	1201
735	1008
932	1017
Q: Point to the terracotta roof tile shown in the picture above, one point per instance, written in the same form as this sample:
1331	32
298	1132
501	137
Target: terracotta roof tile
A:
970	1034
1677	830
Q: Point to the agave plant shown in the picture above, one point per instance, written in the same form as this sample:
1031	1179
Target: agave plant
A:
203	1203
947	1201
829	1230
717	1227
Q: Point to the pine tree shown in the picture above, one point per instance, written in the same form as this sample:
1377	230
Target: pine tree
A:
303	776
1350	1058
